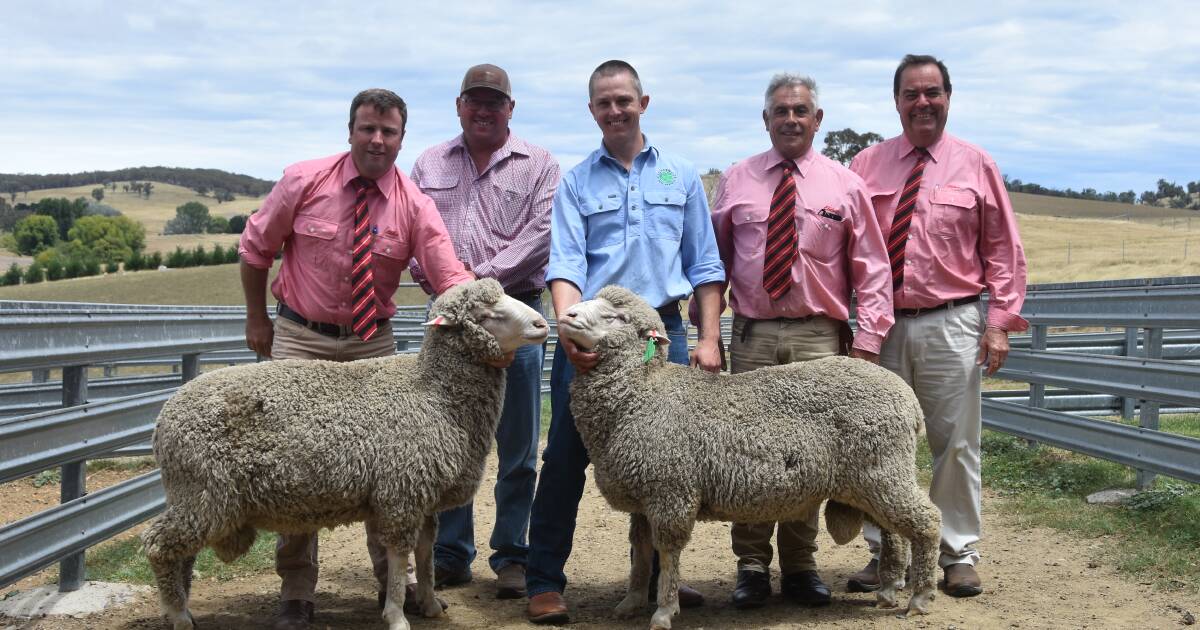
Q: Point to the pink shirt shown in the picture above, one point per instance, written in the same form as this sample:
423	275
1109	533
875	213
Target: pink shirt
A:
310	213
963	238
841	247
498	220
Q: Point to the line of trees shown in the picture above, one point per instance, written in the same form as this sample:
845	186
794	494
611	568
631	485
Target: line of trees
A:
55	268
193	218
213	179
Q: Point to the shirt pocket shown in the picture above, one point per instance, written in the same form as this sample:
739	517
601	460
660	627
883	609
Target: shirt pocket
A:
443	189
314	243
511	207
954	212
389	258
750	226
603	221
664	214
822	238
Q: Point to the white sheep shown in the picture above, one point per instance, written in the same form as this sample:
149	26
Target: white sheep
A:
293	446
672	445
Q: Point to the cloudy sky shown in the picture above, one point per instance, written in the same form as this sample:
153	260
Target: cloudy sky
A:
1067	94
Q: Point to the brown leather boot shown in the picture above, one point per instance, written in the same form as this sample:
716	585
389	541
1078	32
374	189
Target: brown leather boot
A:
548	607
962	580
866	580
294	614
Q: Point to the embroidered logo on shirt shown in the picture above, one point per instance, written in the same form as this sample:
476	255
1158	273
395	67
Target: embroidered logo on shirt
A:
666	177
828	213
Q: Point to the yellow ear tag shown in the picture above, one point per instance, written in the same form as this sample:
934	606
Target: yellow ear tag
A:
651	344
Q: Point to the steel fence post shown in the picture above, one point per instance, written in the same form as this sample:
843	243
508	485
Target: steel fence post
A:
1131	350
74	480
1149	415
191	367
1037	391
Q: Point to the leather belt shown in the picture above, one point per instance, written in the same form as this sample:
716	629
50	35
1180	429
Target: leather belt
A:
750	321
527	296
914	312
329	330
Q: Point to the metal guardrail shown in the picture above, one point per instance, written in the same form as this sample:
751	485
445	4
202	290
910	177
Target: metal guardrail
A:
40	441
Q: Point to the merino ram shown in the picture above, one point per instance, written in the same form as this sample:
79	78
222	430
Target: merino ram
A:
294	446
672	445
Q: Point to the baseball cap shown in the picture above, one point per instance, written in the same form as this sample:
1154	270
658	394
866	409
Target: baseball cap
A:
485	75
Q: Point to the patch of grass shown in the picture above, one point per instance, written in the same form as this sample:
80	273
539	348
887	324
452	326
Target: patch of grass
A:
124	561
1154	536
122	464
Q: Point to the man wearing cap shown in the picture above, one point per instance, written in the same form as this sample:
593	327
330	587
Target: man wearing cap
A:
797	233
633	215
494	192
951	234
347	225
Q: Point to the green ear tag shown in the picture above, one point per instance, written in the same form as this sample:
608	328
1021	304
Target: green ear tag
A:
651	343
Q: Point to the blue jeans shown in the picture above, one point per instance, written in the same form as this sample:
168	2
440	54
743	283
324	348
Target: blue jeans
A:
516	446
564	466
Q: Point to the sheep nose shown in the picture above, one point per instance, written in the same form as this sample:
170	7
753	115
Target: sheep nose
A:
540	323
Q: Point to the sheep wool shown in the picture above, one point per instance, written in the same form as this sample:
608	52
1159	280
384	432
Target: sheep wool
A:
672	444
296	445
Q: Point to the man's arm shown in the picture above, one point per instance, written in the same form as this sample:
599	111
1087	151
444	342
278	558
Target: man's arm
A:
1004	271
259	331
701	262
564	295
707	355
870	276
432	247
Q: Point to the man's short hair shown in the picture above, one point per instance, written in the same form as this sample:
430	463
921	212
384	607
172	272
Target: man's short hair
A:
789	79
383	100
920	60
613	67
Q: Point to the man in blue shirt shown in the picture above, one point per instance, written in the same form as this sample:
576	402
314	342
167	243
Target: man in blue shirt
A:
632	215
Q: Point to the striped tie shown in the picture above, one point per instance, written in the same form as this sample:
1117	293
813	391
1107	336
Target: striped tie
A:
365	312
903	218
781	237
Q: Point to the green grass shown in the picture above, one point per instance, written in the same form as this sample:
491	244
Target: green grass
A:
124	561
1155	536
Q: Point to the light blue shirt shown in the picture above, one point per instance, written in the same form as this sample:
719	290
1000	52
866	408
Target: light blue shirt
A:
647	229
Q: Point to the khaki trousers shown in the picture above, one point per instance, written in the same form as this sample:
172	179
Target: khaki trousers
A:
296	554
761	343
935	353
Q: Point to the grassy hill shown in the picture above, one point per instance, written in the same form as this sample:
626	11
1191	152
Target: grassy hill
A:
155	211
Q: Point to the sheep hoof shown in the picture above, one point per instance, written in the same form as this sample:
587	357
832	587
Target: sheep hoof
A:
630	606
919	603
433	607
661	619
886	597
183	621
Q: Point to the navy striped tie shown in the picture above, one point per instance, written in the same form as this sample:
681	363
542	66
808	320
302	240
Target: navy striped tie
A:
365	310
901	221
781	237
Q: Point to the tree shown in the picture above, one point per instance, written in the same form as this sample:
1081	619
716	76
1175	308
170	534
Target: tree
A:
1127	197
154	261
64	212
1193	187
237	223
146	188
217	256
190	218
13	276
1169	189
1179	202
98	194
135	262
843	145
199	256
33	273
109	239
54	270
1148	198
202	190
35	233
223	195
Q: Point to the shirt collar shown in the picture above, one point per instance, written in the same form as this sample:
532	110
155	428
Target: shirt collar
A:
513	145
385	184
603	152
775	159
936	150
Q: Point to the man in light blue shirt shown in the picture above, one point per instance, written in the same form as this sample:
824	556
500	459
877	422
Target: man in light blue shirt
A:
632	215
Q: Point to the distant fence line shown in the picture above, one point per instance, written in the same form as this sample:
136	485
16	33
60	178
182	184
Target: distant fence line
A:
1154	361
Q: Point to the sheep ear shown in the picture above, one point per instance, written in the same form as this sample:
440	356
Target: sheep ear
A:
440	320
657	337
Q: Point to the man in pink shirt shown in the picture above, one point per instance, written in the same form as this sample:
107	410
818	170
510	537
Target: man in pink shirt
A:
791	296
951	235
311	215
494	191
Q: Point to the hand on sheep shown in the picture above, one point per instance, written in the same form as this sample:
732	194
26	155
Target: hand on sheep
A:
865	355
707	355
260	333
583	361
504	361
993	349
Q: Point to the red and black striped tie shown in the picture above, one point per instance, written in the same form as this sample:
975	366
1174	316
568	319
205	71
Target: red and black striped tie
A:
781	237
903	219
365	311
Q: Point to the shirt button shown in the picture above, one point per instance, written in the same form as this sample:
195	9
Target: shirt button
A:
311	229
387	250
633	187
347	278
635	207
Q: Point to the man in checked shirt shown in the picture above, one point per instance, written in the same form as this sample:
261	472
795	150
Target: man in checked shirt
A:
494	192
796	234
951	234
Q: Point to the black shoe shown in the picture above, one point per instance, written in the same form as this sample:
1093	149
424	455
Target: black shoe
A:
294	614
752	589
688	596
411	607
443	577
805	588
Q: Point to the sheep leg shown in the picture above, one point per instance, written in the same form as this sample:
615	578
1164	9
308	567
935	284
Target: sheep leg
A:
171	547
892	559
668	588
640	568
908	512
431	606
393	608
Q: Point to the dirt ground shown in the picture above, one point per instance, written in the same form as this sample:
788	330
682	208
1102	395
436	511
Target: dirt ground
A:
1032	578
